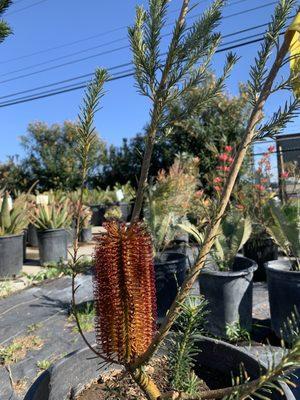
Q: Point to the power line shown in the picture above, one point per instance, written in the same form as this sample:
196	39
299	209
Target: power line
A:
83	84
92	36
105	52
124	65
25	8
90	74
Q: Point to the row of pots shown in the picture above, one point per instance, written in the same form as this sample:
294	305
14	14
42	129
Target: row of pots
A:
52	244
230	293
98	212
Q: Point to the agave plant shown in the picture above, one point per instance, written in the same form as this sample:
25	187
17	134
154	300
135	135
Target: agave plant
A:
13	217
283	225
234	232
53	216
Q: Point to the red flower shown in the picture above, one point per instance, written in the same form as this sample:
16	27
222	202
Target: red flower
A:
199	193
259	187
271	149
218	179
218	188
224	168
284	175
230	159
228	149
223	157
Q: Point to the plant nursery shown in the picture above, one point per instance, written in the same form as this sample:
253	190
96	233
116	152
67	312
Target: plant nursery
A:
163	264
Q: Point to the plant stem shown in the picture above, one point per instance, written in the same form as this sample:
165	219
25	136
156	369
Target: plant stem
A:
212	231
146	384
158	108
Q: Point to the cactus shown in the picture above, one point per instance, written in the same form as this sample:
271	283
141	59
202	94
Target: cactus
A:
124	291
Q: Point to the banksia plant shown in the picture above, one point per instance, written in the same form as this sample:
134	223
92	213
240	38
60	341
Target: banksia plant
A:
124	291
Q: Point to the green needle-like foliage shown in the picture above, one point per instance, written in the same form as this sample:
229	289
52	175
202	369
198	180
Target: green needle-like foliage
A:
5	29
183	348
86	134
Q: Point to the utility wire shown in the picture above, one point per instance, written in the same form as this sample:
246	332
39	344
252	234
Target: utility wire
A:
25	8
126	65
94	36
102	53
90	74
83	84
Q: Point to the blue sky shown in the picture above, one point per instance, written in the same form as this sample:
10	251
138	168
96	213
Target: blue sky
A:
51	23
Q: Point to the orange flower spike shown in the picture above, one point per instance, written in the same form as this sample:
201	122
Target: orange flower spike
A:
124	289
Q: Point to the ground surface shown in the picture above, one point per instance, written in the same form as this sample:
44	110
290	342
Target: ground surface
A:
35	329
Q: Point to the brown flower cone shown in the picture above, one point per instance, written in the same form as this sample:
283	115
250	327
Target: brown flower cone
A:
124	291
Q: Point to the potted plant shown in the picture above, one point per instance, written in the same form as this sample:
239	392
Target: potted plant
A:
226	282
253	194
124	196
166	207
86	234
283	224
113	212
13	221
51	222
124	277
98	200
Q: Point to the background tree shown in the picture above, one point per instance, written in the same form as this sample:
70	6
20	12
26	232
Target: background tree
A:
203	135
50	155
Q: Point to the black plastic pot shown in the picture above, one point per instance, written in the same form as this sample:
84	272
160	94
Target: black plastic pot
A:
24	244
11	255
170	271
78	369
261	251
86	235
229	295
126	210
32	236
98	211
52	245
71	232
284	293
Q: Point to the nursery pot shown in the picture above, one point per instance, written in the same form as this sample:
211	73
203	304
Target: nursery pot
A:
86	235
229	295
32	236
24	244
170	271
78	369
284	293
98	211
71	233
52	245
11	255
261	251
126	210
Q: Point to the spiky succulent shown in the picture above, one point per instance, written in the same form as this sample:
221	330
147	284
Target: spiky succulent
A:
53	216
13	217
124	291
234	233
